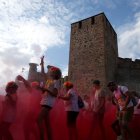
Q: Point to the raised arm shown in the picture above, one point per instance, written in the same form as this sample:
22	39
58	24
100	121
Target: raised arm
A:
26	83
54	93
65	97
42	65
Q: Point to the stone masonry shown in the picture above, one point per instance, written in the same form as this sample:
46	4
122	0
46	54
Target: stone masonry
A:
34	75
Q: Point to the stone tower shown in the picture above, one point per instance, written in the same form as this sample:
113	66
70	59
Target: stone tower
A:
93	52
32	75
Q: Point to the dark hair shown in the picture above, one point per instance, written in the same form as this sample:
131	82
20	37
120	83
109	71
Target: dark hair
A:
68	84
49	66
111	83
10	86
55	72
96	82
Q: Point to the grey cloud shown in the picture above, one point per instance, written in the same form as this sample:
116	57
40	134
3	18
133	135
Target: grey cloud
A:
14	58
129	43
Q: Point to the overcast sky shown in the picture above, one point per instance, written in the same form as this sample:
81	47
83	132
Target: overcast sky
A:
32	28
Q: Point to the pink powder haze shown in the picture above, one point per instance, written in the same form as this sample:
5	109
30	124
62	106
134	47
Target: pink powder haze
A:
28	107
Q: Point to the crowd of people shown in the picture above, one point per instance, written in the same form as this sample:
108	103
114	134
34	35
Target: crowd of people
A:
46	107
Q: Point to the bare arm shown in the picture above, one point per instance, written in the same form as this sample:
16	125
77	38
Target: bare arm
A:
42	65
101	103
127	95
65	97
26	83
101	98
114	101
91	104
53	93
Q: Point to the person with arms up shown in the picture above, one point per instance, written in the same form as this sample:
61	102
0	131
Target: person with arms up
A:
51	88
30	121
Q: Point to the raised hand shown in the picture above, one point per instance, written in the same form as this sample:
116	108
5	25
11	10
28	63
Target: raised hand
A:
42	60
20	78
42	64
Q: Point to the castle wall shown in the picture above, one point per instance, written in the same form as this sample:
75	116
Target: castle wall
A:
129	73
111	51
87	53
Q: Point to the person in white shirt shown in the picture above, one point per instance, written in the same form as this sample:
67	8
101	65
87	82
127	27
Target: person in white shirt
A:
98	106
71	107
125	108
86	101
51	89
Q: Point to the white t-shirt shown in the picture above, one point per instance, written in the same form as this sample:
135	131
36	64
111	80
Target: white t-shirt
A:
47	98
96	102
72	103
86	104
120	97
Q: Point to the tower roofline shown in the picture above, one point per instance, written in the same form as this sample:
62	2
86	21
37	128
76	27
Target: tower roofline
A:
102	13
33	64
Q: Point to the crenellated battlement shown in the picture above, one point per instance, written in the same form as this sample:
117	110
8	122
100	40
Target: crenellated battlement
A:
128	63
33	67
93	22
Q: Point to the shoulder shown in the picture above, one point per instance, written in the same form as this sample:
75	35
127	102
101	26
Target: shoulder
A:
123	89
71	91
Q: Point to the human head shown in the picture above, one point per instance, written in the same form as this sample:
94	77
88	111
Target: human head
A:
68	85
96	84
11	87
112	86
54	72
